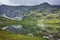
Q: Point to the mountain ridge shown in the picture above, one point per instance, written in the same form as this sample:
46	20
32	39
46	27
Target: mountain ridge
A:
19	11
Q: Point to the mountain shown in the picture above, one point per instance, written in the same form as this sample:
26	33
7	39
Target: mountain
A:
41	6
57	6
38	20
6	22
16	12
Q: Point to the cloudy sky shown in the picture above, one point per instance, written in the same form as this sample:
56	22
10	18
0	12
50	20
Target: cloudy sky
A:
29	2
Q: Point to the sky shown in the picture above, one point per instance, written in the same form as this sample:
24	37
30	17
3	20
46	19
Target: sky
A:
28	2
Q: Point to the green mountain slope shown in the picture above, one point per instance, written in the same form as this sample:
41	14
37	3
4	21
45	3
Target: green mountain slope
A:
39	23
7	22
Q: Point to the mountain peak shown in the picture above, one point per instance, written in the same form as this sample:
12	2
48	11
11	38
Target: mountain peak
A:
45	3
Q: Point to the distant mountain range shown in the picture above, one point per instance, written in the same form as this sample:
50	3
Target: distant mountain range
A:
16	12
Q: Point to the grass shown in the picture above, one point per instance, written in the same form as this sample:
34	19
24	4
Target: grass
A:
5	35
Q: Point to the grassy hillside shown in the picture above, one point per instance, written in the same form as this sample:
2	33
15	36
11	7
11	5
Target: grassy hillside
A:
5	35
7	22
35	22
